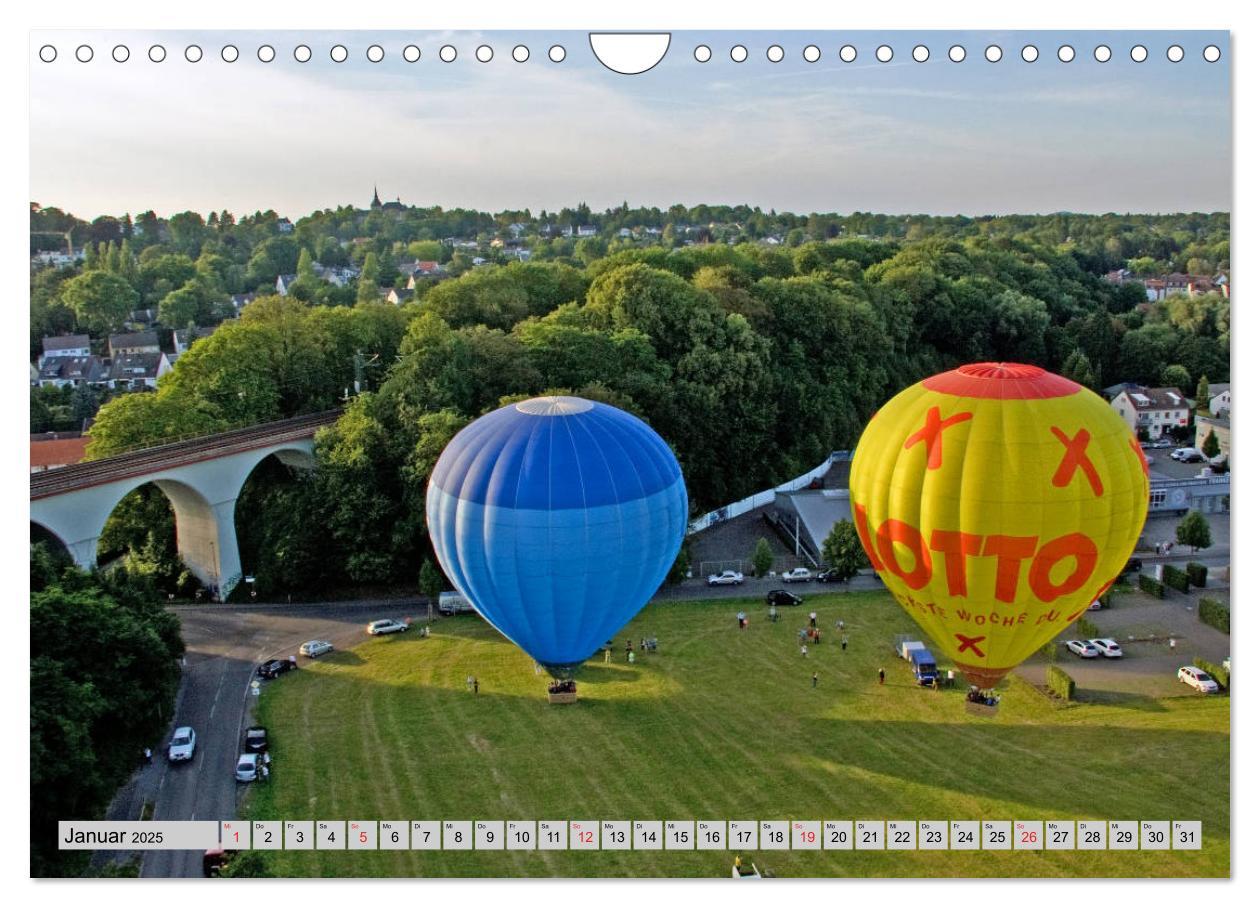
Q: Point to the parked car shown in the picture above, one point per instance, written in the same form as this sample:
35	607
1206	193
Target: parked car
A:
256	739
797	575
1188	455
452	603
1161	443
275	668
1094	606
253	767
182	745
1107	647
782	597
831	575
1082	648
313	648
1133	564
386	626
726	578
1198	679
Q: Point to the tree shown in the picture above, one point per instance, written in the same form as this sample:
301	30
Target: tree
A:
101	301
1077	368
1193	531
368	290
430	583
762	557
1175	376
1202	395
1211	445
843	552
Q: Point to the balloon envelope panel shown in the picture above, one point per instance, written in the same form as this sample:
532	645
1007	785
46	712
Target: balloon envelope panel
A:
558	518
997	501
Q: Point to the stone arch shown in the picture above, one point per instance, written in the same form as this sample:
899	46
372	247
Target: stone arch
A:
41	533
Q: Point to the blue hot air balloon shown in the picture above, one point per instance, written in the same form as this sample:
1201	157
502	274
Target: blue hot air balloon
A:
557	518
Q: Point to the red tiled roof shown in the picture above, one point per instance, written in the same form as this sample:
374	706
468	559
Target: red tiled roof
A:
57	452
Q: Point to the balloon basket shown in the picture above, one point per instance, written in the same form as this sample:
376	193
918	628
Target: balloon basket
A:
562	692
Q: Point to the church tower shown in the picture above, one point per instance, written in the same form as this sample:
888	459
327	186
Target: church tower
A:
376	199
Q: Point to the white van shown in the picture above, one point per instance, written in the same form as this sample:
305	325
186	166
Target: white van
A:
1187	455
453	603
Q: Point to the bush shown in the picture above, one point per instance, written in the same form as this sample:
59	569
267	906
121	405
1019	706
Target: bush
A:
1218	672
1086	629
1197	573
1060	682
1176	578
1214	613
762	557
1152	585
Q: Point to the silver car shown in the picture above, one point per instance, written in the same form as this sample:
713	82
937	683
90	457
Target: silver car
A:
182	745
313	648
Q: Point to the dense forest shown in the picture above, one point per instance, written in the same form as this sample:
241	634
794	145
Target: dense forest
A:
753	360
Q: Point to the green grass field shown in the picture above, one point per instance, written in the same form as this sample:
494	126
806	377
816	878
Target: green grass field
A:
724	724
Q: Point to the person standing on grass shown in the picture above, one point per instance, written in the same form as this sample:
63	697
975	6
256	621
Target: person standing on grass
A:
476	686
813	619
844	643
804	650
881	677
1172	642
815	679
607	655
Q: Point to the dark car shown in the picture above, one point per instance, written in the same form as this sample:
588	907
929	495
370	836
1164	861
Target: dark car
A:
275	668
831	575
1133	564
255	739
782	597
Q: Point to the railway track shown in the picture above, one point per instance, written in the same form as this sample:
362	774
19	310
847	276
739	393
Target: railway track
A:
175	454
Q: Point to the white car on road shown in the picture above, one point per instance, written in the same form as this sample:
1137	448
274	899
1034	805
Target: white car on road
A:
726	578
1108	647
313	648
1197	678
1082	648
386	626
797	574
182	745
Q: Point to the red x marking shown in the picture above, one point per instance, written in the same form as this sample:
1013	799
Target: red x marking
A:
1075	457
969	643
930	434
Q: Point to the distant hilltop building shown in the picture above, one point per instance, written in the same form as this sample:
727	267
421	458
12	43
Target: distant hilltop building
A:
377	205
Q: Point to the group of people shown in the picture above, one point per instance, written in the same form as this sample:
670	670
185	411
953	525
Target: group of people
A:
472	684
985	698
566	686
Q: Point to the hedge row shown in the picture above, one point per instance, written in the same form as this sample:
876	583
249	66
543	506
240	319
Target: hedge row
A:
1197	573
1214	613
1176	578
1218	672
1061	683
1087	629
1152	585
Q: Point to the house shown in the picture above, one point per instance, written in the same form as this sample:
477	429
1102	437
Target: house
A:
1155	410
137	371
141	319
625	233
422	271
284	225
517	229
63	371
240	300
1111	391
66	345
135	342
284	282
1218	399
184	337
588	230
398	297
1158	288
50	450
1203	425
335	275
1119	276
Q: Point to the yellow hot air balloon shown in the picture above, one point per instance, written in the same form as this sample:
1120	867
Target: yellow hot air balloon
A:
997	501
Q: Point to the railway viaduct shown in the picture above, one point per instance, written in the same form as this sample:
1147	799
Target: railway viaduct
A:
202	477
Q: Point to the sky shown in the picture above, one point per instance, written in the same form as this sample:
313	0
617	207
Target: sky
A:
936	137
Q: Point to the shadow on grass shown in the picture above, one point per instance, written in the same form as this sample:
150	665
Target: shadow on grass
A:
341	657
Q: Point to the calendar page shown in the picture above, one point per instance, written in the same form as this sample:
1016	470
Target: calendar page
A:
677	453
